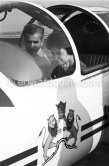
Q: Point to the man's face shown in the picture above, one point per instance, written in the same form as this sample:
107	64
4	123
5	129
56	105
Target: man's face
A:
33	43
60	55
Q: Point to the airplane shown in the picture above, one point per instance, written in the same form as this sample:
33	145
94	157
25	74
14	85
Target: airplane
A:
35	109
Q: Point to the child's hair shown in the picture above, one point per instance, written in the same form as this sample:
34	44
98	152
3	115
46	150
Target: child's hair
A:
31	29
57	40
69	50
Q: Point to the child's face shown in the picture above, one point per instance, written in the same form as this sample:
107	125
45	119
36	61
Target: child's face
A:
33	43
60	55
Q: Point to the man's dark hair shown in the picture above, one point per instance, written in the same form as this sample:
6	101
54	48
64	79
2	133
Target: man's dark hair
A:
31	29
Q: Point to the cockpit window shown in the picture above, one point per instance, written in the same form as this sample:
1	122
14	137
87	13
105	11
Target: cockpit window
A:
91	40
34	48
89	34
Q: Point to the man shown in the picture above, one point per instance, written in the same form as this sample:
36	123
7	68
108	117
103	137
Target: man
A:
33	40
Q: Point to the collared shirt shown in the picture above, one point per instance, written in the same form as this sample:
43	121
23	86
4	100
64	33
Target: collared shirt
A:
41	53
43	62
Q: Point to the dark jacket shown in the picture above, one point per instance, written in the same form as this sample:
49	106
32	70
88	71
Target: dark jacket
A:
59	71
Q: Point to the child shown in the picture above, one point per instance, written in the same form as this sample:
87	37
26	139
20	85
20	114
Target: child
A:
58	44
62	51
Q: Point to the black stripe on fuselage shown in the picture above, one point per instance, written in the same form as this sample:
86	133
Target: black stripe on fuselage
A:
33	163
84	137
19	156
92	123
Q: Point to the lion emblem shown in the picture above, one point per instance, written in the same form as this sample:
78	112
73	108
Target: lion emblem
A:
71	127
61	107
53	131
